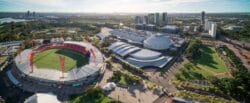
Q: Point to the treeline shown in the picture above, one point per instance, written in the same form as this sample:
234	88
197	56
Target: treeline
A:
238	34
235	60
239	86
22	30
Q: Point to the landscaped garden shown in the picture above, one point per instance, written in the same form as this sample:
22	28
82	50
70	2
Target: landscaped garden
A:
203	64
135	78
209	64
2	59
124	79
92	95
203	98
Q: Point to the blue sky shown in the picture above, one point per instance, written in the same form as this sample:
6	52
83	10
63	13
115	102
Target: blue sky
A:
132	6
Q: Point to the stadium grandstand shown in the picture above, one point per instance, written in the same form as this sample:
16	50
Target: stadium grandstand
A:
84	74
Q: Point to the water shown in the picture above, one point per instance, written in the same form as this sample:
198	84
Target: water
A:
8	20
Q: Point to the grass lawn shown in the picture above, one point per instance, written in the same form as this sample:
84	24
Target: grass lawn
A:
122	80
50	59
2	59
209	64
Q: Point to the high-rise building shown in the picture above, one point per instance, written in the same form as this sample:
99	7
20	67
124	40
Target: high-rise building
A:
207	26
34	14
145	20
202	18
212	31
28	14
170	20
138	20
164	18
157	19
151	18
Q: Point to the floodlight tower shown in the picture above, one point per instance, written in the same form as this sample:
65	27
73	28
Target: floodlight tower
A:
33	41
31	61
62	35
93	53
62	62
19	53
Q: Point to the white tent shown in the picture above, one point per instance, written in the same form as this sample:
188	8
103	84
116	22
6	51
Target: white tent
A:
109	86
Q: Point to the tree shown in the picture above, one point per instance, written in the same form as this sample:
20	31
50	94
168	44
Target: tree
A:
193	50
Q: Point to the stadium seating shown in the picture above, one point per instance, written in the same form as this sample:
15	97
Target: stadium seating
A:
74	47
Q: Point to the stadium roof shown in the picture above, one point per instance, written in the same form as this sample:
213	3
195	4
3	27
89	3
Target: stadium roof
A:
173	27
145	54
42	98
158	42
122	49
139	57
105	32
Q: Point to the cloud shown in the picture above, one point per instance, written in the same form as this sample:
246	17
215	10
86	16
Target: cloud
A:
47	3
120	5
179	1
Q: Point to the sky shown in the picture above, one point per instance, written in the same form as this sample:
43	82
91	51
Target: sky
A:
126	6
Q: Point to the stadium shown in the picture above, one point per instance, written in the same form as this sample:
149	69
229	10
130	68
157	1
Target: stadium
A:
68	63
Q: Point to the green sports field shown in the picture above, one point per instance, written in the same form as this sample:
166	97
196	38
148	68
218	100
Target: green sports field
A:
50	59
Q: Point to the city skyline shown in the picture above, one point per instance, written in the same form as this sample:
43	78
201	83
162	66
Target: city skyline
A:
127	6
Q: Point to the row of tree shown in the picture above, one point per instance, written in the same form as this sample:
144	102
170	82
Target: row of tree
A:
23	30
239	86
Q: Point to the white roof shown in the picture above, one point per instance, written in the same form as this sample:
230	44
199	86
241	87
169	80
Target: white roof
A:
139	57
173	27
145	54
122	49
42	98
105	32
109	86
158	42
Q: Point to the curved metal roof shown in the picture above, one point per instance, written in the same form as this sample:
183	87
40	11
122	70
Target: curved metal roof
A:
158	42
145	54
